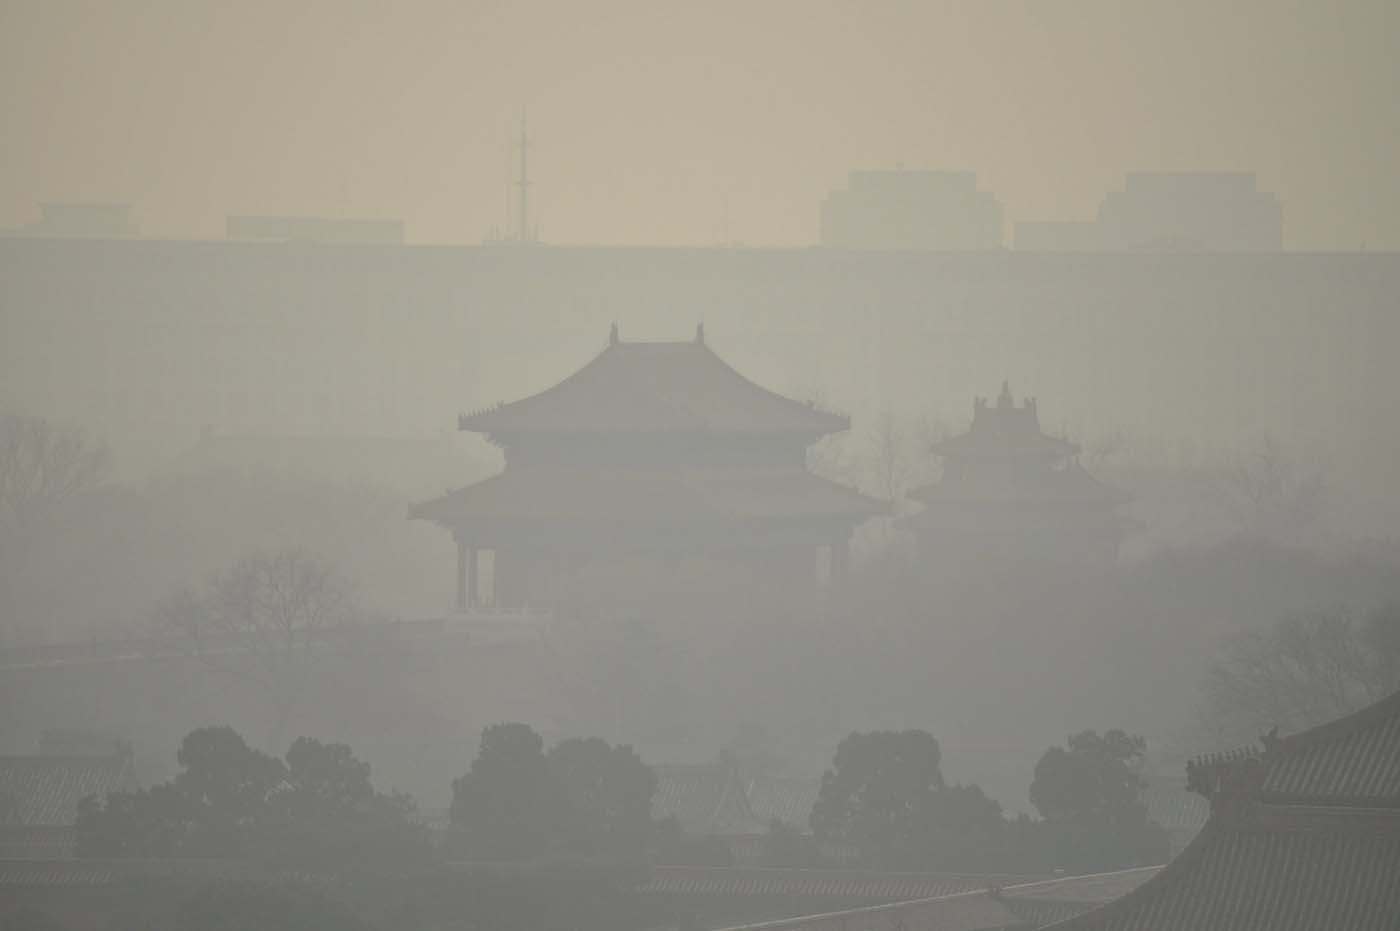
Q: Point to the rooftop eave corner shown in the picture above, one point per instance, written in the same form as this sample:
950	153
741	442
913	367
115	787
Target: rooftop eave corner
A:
467	422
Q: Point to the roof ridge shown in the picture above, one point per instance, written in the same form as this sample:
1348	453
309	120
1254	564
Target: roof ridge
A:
1338	728
794	417
885	874
1064	880
808	405
844	913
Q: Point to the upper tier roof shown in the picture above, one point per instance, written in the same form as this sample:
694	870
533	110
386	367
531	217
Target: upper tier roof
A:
666	387
1003	431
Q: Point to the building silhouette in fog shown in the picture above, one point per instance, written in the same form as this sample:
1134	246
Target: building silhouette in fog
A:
1010	494
82	221
904	209
314	229
654	468
1170	212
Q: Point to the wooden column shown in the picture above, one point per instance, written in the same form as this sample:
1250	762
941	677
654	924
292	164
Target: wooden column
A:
462	593
473	595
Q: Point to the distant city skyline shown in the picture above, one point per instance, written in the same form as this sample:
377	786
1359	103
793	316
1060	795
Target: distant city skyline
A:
882	209
687	125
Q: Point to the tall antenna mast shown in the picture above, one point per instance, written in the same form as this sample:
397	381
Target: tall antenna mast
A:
524	184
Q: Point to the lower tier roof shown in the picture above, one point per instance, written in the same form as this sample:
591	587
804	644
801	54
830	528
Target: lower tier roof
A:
647	497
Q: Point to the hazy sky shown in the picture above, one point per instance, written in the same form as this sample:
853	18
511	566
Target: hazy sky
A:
688	123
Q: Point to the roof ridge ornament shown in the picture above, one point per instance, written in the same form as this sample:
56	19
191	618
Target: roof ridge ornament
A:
700	332
613	339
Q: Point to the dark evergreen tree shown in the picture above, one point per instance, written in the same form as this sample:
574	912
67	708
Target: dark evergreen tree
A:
1090	793
318	810
879	788
606	797
507	806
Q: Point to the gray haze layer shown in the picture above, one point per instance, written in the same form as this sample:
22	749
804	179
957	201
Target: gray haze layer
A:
275	336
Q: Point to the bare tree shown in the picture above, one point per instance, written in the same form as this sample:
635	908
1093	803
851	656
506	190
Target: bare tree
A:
830	457
897	455
1105	446
1304	670
1275	493
889	456
265	619
42	465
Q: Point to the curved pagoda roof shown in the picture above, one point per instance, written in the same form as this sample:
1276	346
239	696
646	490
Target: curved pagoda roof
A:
1303	835
1005	430
656	387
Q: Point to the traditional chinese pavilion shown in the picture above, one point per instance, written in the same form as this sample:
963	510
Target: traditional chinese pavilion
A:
1010	492
654	459
1304	834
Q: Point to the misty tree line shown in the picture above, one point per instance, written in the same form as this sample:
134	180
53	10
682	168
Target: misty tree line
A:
276	604
883	804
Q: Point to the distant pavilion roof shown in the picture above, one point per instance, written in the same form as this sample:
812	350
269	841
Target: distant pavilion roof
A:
1004	430
717	798
1303	835
656	387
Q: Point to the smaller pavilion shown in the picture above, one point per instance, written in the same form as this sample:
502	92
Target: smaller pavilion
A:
1010	493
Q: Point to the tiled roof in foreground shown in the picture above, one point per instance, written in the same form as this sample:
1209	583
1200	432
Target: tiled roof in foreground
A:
854	884
1351	761
1271	871
1303	836
46	790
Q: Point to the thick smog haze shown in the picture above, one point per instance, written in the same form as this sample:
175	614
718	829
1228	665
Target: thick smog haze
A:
685	123
772	466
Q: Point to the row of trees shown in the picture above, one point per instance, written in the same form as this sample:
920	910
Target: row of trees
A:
314	808
583	797
886	799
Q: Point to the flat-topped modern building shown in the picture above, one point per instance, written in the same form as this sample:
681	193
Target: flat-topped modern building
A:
1170	211
81	221
1011	493
340	230
1304	834
655	465
903	209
